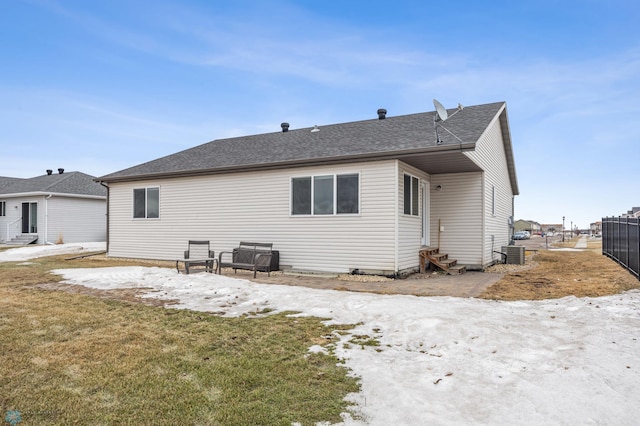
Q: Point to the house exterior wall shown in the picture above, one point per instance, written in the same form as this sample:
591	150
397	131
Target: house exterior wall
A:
409	226
11	215
14	213
255	206
456	216
469	217
522	225
76	220
497	201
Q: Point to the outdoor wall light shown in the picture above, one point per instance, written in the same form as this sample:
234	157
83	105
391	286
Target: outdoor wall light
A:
439	188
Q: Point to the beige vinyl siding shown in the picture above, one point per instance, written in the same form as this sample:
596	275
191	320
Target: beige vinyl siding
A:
409	226
76	220
255	206
457	207
490	155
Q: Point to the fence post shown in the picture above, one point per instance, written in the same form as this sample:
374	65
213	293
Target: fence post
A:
626	242
638	248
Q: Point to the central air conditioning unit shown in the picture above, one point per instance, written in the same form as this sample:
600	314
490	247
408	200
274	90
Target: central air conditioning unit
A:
515	254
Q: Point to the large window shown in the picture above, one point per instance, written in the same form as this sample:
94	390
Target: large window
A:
411	195
3	208
325	195
146	203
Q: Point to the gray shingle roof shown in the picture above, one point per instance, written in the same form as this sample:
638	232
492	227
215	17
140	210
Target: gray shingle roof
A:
366	139
76	183
6	182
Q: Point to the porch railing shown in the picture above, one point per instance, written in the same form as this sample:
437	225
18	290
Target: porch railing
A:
13	229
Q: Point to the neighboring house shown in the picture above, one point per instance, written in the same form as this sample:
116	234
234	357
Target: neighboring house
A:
363	196
52	208
551	228
531	226
536	228
634	212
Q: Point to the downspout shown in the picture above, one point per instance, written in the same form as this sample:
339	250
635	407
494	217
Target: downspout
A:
46	220
107	242
483	237
396	224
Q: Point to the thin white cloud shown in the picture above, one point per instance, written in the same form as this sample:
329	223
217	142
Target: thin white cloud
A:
259	47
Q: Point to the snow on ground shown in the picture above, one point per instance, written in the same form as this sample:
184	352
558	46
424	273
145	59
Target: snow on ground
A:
443	360
34	251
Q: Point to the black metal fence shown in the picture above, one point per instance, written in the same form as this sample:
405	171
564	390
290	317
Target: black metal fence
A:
621	242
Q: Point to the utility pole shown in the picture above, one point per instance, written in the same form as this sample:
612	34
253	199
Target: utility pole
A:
563	229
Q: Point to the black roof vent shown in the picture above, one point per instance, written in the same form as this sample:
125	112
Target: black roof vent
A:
60	171
285	127
49	172
382	114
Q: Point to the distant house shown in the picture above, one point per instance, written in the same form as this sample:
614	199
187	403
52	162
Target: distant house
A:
362	196
52	208
551	228
531	226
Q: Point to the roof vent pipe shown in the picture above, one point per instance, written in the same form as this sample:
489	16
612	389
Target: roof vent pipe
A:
382	114
49	172
60	171
285	127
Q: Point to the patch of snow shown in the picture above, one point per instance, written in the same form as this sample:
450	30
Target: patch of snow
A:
33	251
444	360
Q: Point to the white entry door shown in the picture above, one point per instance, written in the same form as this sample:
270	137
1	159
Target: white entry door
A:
426	215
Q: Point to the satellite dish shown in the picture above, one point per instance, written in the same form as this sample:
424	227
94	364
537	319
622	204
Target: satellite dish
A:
439	118
440	110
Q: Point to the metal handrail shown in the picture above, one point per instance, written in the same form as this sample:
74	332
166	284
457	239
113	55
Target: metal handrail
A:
9	225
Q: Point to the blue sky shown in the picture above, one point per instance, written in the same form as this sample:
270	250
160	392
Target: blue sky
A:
98	86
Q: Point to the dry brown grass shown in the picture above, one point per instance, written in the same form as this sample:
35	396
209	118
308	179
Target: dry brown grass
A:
557	274
68	357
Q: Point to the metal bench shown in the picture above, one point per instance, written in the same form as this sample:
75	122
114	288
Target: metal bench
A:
249	256
198	253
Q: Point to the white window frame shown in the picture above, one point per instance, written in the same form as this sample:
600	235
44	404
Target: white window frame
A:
334	177
3	208
146	203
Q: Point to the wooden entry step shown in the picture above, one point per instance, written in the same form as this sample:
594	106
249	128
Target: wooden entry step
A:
433	256
23	240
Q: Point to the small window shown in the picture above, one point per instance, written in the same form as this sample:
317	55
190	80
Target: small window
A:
325	195
3	208
146	203
411	195
407	194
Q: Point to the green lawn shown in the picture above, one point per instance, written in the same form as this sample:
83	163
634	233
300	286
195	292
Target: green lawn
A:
68	358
